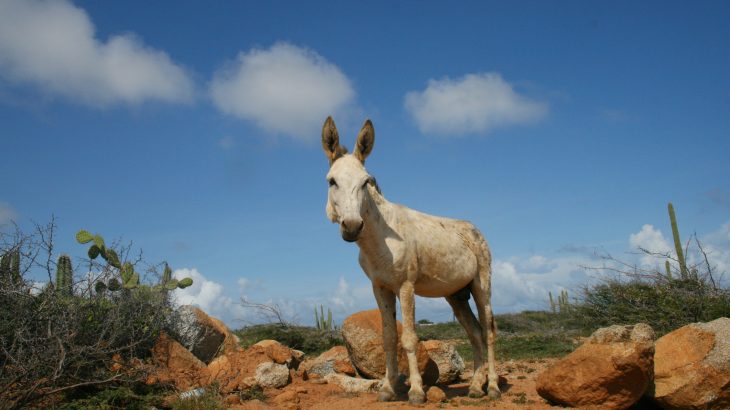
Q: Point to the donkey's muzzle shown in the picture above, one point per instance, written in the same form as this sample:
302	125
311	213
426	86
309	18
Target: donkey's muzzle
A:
350	230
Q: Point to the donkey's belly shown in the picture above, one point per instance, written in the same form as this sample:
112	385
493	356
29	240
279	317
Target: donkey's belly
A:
444	282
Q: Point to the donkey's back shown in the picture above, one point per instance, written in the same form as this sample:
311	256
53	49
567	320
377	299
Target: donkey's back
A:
442	255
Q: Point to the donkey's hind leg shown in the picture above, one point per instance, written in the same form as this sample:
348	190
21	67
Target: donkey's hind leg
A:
481	289
460	304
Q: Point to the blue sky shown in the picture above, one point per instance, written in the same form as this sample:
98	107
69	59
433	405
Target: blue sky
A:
192	129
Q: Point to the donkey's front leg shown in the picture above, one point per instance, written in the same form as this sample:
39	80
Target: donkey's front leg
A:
410	342
386	304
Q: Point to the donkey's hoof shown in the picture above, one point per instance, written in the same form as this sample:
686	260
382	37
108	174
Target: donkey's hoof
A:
476	393
494	393
386	396
416	397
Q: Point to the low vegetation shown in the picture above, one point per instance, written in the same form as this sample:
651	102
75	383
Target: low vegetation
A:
681	288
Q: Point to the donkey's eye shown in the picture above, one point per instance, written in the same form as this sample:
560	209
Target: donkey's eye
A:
365	184
332	182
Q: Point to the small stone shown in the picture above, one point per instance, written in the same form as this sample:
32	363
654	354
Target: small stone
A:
276	351
353	385
435	395
272	375
334	360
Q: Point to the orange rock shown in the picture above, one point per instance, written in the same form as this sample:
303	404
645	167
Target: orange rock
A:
611	370
692	367
176	365
334	360
290	396
435	395
236	370
230	340
363	334
276	351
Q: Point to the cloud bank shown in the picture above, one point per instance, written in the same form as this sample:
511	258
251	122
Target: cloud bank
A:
475	103
284	90
518	283
52	46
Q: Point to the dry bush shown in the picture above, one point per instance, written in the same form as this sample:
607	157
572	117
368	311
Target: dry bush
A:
52	343
663	298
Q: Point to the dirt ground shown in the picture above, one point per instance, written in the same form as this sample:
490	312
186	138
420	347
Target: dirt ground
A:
517	382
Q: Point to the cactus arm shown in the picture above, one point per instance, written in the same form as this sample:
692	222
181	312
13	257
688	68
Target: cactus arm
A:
677	242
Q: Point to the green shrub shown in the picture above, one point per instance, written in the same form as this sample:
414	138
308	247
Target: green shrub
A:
441	331
534	346
664	305
133	396
307	339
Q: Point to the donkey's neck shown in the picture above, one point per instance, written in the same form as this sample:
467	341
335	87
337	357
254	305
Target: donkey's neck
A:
380	222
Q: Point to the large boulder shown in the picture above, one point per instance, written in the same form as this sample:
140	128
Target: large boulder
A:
449	363
692	367
203	335
176	365
363	335
335	360
612	370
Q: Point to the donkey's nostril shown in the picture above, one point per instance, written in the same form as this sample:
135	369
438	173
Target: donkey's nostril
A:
352	226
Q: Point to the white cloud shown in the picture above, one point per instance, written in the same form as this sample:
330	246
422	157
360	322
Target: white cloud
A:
207	295
717	246
52	45
7	213
284	89
652	240
475	103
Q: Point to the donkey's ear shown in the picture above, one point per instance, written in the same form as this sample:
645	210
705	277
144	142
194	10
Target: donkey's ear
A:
331	141
365	141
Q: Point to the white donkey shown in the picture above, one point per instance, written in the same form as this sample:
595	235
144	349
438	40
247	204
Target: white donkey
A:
406	252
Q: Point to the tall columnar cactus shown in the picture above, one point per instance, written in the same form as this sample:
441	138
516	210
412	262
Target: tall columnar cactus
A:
10	266
319	319
677	243
64	276
562	305
15	266
553	306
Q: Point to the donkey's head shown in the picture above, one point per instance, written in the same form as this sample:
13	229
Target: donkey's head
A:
347	199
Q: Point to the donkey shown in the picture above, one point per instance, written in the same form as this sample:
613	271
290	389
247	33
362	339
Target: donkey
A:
405	252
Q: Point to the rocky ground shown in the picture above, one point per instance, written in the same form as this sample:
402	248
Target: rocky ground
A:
617	367
517	383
